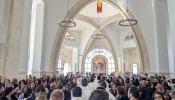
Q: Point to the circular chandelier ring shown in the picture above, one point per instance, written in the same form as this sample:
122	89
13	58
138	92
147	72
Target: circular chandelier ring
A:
130	21
98	36
67	23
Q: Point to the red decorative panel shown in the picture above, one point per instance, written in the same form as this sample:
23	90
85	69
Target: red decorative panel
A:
99	7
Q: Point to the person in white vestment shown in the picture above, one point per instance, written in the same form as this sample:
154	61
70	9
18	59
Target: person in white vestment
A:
91	86
85	91
79	82
77	93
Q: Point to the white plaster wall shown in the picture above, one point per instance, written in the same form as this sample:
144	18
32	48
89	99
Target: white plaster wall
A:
143	12
113	34
100	43
171	12
161	18
74	59
52	15
84	38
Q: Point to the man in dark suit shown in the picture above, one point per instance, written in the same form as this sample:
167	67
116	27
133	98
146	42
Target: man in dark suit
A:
164	83
53	86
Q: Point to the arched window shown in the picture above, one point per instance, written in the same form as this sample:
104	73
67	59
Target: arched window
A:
69	36
59	66
66	68
134	69
129	36
103	52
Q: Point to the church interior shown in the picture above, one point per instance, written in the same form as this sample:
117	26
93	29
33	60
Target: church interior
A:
100	37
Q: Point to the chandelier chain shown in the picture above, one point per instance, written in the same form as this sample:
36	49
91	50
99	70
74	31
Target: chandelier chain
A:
67	6
98	21
127	5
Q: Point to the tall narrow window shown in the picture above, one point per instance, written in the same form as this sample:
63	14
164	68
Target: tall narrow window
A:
59	66
66	68
134	69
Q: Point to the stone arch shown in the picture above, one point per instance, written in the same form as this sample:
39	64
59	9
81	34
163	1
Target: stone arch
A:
76	9
102	25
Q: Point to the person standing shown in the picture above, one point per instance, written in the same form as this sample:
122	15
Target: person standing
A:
133	93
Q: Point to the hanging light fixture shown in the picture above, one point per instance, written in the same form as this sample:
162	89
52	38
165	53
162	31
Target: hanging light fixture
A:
99	35
99	6
65	22
128	22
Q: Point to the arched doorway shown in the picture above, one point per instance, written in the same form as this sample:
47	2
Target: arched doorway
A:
117	4
99	61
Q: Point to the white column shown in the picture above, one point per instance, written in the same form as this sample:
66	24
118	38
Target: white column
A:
25	36
171	38
13	32
2	16
161	34
38	40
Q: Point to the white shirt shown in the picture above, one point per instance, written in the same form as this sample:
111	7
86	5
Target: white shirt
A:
85	93
91	86
77	98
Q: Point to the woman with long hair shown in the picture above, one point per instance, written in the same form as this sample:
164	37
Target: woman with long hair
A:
158	96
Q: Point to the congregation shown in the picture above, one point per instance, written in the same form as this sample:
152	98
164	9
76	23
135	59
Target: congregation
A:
91	87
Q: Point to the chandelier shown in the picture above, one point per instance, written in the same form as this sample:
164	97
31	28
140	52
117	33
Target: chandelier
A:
99	35
128	22
66	22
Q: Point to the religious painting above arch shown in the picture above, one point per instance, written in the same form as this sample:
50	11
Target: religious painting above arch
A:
129	36
69	36
99	65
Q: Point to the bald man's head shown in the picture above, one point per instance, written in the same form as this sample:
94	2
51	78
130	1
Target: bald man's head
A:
57	95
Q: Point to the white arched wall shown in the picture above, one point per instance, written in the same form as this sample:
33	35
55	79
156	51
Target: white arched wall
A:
51	25
100	43
136	30
114	37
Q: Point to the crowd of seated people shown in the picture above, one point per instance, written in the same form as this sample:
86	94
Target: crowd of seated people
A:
92	87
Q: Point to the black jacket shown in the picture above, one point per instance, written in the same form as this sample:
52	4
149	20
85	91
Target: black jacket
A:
49	93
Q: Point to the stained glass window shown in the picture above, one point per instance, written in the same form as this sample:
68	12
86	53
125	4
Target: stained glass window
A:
103	52
129	36
69	36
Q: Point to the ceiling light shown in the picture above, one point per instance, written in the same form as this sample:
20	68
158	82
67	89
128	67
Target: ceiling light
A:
128	22
66	22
